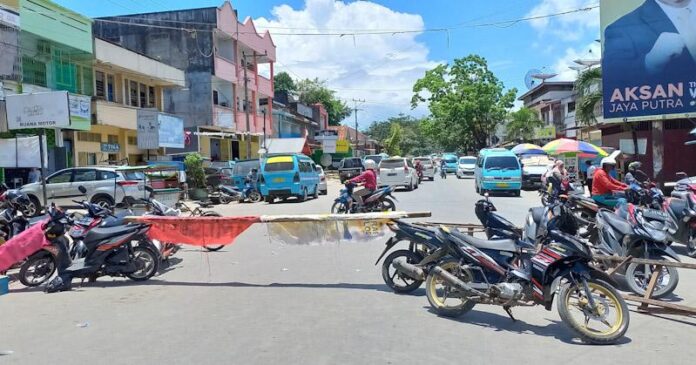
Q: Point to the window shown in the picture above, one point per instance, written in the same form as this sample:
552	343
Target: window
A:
391	164
105	175
480	162
502	163
467	161
279	166
132	141
571	107
151	97
243	168
215	97
134	175
33	71
60	177
104	86
143	95
111	138
409	163
352	163
85	175
89	137
132	93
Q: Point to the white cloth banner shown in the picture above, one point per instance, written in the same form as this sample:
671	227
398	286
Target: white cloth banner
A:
21	152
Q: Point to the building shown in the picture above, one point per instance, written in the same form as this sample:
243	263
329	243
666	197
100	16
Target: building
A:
293	119
220	56
360	143
125	82
554	101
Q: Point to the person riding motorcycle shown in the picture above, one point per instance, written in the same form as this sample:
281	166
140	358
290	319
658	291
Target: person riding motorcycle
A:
635	175
369	180
603	185
250	182
419	170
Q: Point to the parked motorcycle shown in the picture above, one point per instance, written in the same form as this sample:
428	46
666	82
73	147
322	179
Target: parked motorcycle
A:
378	201
682	208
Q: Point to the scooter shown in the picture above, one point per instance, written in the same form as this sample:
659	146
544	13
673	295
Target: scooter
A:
378	201
682	208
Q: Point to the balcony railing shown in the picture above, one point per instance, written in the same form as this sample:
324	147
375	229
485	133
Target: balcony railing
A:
225	69
117	115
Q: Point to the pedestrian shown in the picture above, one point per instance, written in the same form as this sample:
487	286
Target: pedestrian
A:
34	175
589	175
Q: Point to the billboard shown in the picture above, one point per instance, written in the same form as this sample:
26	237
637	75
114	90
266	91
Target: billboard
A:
159	130
39	110
80	112
648	59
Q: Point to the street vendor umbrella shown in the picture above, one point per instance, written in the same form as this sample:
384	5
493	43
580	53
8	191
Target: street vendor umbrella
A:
528	149
564	146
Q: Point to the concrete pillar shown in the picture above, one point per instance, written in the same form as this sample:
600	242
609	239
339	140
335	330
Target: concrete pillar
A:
658	149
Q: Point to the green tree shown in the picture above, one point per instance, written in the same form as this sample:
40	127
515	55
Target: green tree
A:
194	170
283	82
393	143
466	102
588	87
315	91
521	124
413	141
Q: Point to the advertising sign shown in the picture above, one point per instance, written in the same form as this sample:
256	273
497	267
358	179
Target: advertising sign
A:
80	112
342	146
148	136
545	133
39	110
171	131
649	59
110	147
14	152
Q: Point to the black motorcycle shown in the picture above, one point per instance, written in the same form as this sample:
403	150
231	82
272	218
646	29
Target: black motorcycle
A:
379	201
115	251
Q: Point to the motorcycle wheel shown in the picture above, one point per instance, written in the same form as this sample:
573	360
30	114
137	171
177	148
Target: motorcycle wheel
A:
605	325
146	262
224	199
37	269
339	208
438	291
255	196
387	205
398	282
638	279
212	247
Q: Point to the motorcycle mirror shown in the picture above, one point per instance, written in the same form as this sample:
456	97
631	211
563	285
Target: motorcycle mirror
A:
82	189
682	175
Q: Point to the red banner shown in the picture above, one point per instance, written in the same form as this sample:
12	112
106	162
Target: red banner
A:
198	231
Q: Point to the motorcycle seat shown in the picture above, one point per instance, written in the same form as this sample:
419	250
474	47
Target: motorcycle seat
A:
678	206
101	233
537	214
619	224
113	221
498	244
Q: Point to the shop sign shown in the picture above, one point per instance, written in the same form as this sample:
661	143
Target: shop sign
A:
110	147
38	110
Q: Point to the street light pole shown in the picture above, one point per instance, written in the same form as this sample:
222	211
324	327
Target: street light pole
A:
264	128
355	110
246	107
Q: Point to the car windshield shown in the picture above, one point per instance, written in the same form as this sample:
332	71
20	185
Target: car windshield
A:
467	161
450	159
391	164
352	163
536	160
243	168
502	163
279	166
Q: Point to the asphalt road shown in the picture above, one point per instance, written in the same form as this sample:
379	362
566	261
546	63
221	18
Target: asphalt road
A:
258	302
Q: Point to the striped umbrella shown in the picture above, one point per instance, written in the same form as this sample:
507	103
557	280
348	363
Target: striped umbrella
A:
565	146
528	149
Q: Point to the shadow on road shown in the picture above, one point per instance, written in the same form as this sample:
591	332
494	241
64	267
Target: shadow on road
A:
555	329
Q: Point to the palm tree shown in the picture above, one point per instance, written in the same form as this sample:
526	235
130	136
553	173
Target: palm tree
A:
589	93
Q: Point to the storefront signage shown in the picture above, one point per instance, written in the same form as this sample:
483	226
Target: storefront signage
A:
159	130
342	146
39	110
649	59
80	112
110	147
545	133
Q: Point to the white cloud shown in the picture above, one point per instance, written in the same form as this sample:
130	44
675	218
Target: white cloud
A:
562	66
568	27
378	68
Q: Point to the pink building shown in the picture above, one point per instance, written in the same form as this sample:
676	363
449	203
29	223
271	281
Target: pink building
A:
220	55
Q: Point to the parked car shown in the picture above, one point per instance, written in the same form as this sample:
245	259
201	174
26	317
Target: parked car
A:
284	176
323	188
376	158
398	171
450	162
533	167
498	169
215	176
466	167
428	167
105	186
241	169
349	168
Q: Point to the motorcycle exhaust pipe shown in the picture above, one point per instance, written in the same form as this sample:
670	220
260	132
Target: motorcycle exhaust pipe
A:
410	270
455	281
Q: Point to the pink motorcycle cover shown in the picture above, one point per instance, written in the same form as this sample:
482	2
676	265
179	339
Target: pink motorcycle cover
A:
22	246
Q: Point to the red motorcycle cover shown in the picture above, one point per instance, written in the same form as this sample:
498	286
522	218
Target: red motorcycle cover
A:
22	246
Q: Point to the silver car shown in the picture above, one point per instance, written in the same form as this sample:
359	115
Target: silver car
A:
105	186
398	171
323	189
428	167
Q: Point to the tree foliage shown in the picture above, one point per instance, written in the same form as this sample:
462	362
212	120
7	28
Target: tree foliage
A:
414	140
393	143
589	95
283	82
466	102
194	170
521	124
313	91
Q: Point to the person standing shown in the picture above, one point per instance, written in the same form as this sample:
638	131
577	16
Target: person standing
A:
34	175
589	174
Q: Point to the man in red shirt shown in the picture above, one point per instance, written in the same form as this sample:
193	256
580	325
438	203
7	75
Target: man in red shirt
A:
369	180
604	186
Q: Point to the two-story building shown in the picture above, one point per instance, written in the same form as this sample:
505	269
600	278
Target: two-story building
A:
554	101
224	61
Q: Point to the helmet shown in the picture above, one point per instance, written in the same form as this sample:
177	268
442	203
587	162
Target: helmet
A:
635	165
370	165
608	161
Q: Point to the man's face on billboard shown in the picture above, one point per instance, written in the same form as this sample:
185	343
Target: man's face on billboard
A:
676	3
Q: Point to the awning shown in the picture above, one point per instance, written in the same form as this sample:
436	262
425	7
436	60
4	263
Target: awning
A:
287	145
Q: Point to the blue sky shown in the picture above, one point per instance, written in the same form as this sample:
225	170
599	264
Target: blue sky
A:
382	68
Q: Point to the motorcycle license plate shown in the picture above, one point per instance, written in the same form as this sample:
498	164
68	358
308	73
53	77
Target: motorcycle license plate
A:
279	180
502	185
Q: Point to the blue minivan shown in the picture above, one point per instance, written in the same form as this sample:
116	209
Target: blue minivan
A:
498	169
284	176
450	162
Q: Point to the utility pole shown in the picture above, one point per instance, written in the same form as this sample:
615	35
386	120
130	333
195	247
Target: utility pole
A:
246	102
355	111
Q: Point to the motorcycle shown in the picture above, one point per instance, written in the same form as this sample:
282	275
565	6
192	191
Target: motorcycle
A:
379	201
682	208
443	173
494	224
640	233
509	273
115	251
226	194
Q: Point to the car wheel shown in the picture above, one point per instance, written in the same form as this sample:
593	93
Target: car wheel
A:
103	201
316	192
33	208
